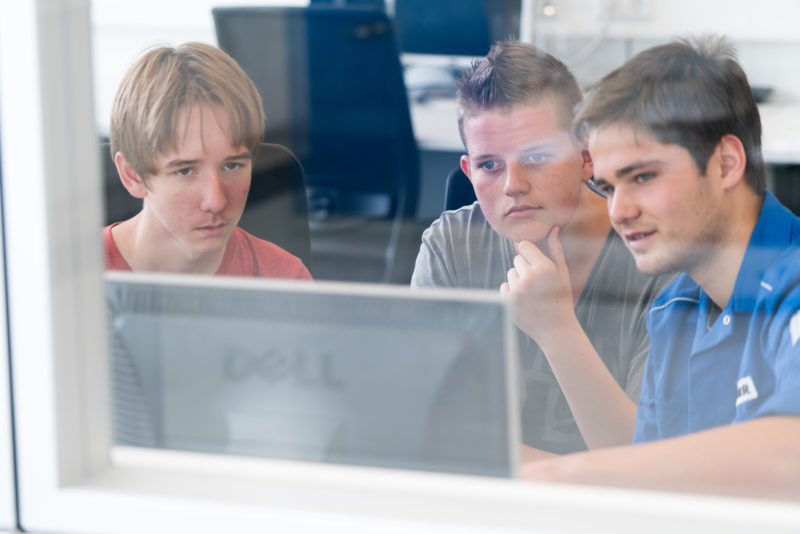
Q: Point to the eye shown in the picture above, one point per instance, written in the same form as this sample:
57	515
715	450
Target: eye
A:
233	165
490	165
186	171
644	177
535	158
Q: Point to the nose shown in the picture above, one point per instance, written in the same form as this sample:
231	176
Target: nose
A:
214	197
622	207
516	180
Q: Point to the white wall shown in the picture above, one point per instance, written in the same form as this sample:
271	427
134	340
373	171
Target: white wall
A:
743	20
765	33
123	29
592	40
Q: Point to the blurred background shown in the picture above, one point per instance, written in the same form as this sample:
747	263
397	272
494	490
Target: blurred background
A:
362	91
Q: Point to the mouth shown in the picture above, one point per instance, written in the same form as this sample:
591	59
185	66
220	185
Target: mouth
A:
521	211
212	229
637	239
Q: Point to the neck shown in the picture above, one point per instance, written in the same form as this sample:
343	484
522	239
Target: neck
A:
718	272
148	248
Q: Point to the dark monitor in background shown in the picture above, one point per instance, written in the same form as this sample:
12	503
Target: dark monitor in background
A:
343	373
454	27
333	91
378	4
448	29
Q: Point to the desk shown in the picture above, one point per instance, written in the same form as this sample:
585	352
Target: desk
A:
436	128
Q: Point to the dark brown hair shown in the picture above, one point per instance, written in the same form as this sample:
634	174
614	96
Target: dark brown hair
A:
690	93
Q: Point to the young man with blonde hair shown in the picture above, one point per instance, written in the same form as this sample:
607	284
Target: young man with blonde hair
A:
675	135
186	125
538	233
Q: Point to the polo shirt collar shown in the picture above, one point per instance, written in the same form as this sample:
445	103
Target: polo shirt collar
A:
772	235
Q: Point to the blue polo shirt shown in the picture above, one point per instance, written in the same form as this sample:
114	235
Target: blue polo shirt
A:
747	363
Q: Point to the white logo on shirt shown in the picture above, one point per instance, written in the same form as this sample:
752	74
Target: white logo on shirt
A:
745	390
794	327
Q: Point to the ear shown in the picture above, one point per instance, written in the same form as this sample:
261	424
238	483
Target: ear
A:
731	160
465	166
587	165
130	179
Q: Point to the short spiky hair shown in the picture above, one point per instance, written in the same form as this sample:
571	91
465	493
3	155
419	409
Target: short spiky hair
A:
690	93
162	82
512	74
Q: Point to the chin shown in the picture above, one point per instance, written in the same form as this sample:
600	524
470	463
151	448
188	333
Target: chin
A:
654	267
534	236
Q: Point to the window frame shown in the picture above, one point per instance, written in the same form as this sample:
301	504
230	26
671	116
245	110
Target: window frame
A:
70	479
8	502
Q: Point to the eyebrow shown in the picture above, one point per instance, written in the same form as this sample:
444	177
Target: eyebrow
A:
539	147
188	162
635	167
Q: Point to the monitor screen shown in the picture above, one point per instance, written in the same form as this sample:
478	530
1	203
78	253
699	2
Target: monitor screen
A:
354	374
454	27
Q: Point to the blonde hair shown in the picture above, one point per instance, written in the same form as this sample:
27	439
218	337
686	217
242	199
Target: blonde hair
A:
166	80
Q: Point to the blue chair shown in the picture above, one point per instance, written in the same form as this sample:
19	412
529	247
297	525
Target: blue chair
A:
458	190
333	92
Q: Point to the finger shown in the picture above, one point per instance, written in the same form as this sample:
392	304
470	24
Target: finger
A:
556	250
521	265
512	276
504	288
530	252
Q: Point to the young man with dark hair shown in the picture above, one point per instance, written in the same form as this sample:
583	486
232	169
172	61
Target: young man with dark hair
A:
538	233
186	125
675	136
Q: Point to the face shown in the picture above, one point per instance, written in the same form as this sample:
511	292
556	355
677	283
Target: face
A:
527	172
668	213
196	197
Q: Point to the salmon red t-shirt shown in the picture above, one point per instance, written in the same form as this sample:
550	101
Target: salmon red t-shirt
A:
245	255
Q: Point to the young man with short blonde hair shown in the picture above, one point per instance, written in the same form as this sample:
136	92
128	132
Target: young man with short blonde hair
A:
186	125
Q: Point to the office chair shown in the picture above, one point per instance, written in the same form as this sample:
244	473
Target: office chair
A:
458	190
333	92
276	208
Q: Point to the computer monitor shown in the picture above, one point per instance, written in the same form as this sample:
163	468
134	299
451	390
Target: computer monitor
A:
454	27
345	373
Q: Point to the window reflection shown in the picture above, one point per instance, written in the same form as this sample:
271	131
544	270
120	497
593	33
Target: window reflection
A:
359	228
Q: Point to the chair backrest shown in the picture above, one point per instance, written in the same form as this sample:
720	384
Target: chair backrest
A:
276	208
119	204
333	92
458	190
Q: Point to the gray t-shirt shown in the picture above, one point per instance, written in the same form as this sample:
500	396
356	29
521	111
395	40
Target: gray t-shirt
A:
460	249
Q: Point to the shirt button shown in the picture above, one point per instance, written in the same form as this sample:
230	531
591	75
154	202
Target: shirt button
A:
726	320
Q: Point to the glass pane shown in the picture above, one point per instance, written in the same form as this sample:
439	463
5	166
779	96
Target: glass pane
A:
364	99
